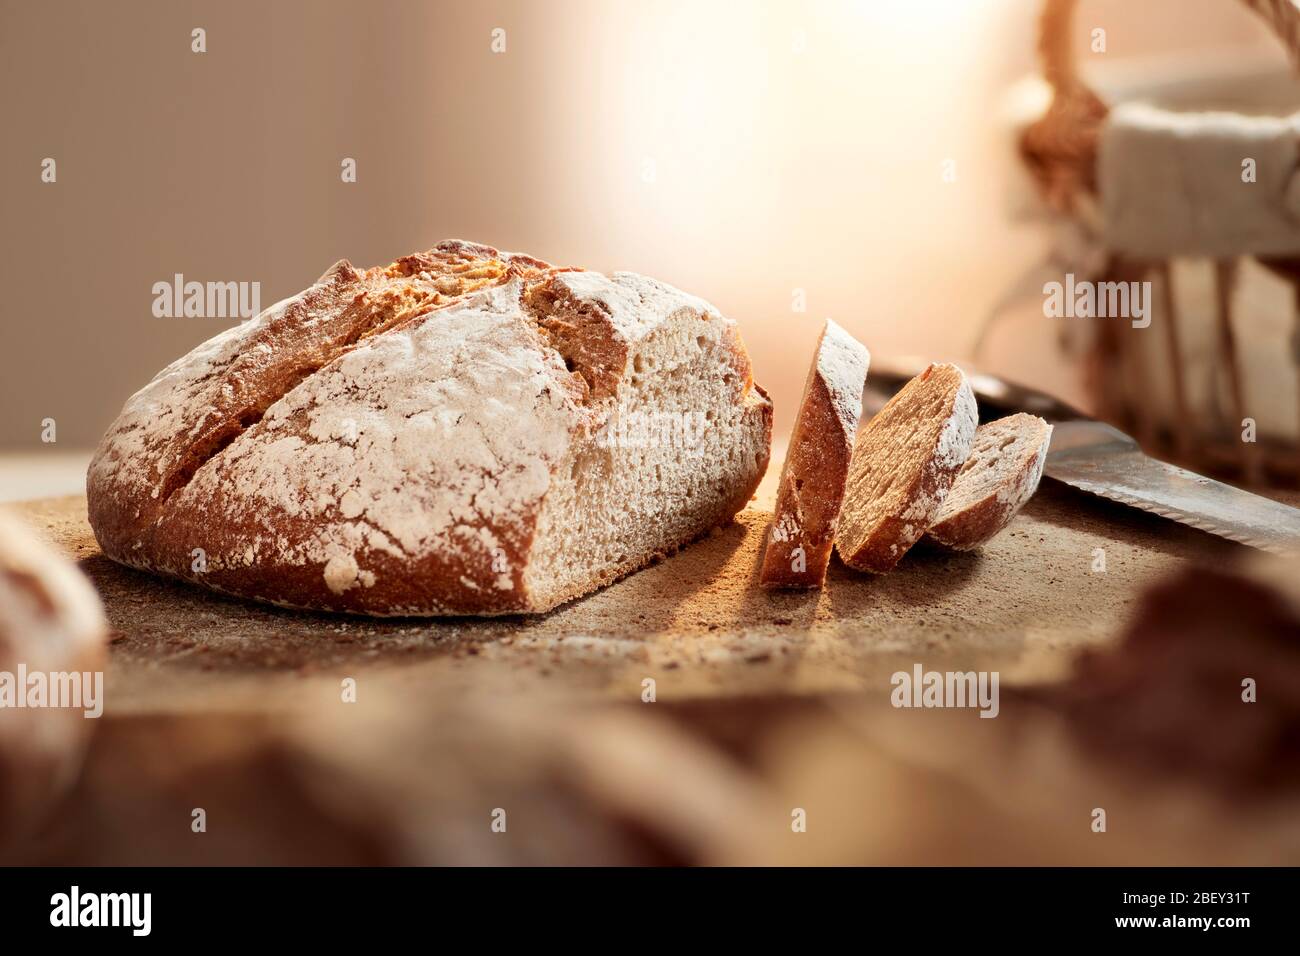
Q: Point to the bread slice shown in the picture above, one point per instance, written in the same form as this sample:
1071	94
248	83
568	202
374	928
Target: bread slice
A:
904	461
465	431
1001	474
817	464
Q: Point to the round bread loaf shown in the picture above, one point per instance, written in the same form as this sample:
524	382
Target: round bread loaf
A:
52	641
464	431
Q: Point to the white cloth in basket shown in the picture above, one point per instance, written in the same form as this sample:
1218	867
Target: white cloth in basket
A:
1175	183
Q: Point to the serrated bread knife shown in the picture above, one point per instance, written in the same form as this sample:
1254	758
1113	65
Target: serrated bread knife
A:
1104	461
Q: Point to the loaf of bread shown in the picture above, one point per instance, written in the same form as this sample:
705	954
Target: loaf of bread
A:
464	431
816	464
51	624
904	463
1000	475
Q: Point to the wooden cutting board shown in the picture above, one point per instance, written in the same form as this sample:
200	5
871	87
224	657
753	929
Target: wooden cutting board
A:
697	622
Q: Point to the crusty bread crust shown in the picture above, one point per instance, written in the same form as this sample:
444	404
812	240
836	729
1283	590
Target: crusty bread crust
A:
1010	453
384	442
904	462
816	466
203	402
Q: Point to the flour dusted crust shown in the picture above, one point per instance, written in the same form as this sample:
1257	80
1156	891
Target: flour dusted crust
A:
409	439
817	464
999	477
50	622
904	463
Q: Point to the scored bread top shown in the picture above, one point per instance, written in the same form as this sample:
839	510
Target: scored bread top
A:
202	402
817	463
382	441
1001	474
904	461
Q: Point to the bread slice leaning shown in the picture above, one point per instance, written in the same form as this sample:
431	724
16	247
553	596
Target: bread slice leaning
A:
904	462
817	464
1001	474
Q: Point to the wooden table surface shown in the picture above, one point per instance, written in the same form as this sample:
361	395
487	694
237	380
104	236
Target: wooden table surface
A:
697	621
201	691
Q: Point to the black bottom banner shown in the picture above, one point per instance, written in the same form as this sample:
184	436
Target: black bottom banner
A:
333	905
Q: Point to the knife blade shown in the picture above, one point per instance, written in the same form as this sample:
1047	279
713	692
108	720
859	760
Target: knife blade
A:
1104	461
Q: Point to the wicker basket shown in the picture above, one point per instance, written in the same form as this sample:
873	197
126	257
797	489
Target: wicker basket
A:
1223	345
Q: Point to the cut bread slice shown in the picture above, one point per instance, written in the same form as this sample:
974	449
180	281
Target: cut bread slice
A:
1001	474
817	464
683	445
904	462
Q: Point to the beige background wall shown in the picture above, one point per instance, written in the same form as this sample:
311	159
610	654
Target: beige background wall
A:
794	146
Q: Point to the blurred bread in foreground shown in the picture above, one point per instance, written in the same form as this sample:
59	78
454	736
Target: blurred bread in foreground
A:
53	638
